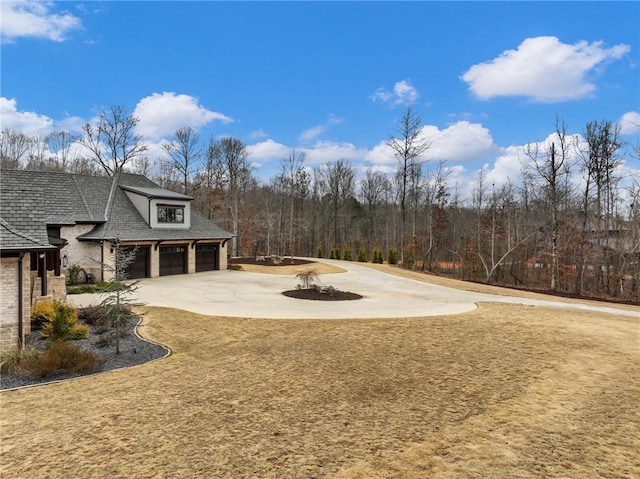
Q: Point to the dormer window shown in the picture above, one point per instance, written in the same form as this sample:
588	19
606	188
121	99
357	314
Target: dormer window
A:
171	214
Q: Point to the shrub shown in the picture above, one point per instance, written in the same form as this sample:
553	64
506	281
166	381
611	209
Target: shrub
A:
307	277
65	356
362	255
393	256
377	256
346	255
63	327
89	288
43	312
108	338
320	252
19	360
92	315
409	260
73	274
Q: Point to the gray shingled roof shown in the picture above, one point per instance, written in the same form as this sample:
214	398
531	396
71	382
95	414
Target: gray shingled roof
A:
156	193
11	239
31	200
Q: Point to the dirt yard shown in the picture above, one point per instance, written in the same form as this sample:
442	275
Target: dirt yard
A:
504	391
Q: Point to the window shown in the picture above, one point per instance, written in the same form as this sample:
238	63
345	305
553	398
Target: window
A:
170	214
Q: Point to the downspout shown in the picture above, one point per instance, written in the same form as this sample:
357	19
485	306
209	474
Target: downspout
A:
20	302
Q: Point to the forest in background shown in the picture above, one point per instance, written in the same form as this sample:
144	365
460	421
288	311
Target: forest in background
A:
570	224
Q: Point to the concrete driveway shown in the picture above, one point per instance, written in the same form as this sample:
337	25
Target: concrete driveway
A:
255	295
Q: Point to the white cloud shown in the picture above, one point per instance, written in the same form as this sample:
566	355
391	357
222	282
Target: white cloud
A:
161	114
26	18
403	93
460	141
71	124
542	69
267	150
312	133
27	122
325	151
259	133
630	123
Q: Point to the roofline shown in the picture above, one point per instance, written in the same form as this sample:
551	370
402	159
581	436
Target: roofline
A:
28	248
134	189
120	239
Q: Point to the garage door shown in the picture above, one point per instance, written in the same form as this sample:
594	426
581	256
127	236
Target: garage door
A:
207	257
173	260
139	268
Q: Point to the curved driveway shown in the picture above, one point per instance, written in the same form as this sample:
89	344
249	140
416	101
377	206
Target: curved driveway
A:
255	295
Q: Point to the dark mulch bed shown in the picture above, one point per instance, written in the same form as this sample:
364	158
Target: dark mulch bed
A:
316	295
268	262
133	351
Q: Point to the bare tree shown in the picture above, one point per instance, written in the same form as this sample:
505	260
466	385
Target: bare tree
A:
14	146
372	193
408	147
599	156
229	158
113	142
185	152
295	180
338	182
552	167
59	143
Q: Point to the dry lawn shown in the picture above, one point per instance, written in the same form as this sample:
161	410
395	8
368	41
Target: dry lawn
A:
504	391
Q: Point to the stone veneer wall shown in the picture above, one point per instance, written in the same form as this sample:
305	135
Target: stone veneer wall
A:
9	301
223	256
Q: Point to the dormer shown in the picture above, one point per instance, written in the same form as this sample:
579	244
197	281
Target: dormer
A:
161	209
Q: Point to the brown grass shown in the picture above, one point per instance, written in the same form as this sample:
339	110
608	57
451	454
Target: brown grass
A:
504	391
320	268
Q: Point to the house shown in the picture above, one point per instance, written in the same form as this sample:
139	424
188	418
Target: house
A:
50	221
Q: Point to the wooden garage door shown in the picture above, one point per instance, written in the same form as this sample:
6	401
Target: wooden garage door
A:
139	268
207	257
173	260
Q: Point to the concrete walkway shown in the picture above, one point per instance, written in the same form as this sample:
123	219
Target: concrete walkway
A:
255	295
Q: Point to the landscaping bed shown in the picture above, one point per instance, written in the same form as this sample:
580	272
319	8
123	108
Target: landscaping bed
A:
316	295
133	351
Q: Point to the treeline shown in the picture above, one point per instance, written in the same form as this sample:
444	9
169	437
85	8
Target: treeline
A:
569	225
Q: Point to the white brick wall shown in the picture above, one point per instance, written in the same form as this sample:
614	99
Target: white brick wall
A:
84	253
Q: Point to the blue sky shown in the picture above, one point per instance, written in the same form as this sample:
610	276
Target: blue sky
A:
331	79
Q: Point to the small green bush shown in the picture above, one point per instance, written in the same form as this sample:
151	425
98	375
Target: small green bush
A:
43	312
346	255
393	256
89	288
63	326
362	255
377	256
320	252
73	274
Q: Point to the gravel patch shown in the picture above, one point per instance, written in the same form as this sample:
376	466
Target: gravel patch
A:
133	351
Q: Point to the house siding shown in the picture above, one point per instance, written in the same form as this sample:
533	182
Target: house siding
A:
141	203
86	254
9	306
